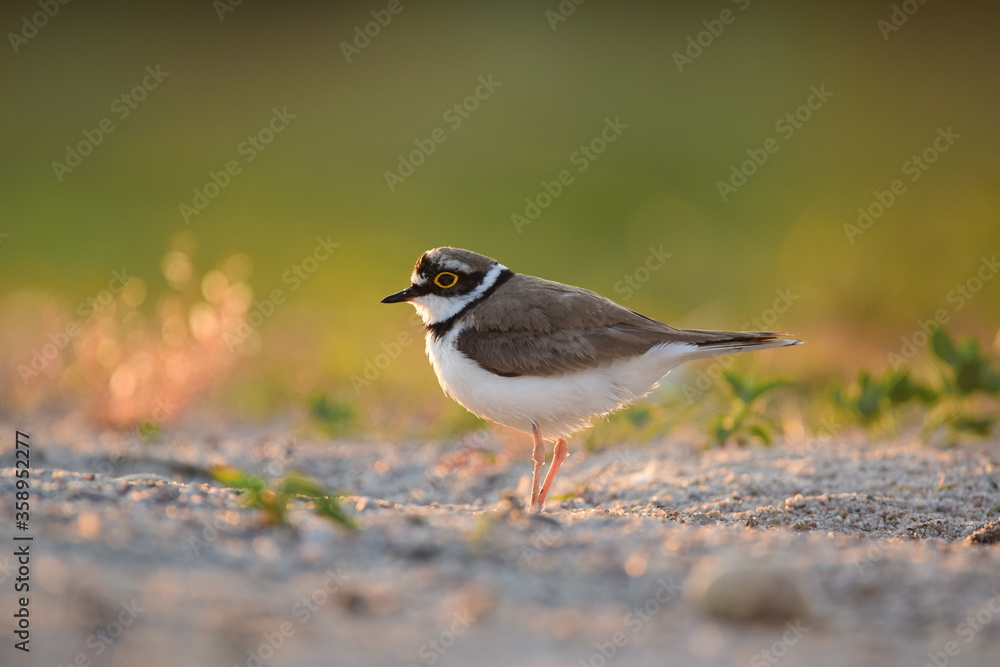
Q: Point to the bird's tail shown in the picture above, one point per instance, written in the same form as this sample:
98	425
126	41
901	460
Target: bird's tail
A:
718	343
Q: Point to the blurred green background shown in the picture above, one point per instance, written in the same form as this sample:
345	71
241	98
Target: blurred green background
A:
655	186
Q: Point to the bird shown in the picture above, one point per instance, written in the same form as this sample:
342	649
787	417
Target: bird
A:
543	357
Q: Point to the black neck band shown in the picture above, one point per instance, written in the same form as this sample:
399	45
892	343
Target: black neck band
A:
439	329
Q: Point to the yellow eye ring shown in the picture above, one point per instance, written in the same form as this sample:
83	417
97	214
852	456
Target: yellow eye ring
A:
445	279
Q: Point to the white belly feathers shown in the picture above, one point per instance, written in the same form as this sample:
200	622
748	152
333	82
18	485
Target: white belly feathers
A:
560	405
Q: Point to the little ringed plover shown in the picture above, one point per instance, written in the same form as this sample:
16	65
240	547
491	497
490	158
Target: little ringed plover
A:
543	357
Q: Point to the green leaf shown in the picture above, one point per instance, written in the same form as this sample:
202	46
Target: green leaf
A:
765	387
976	425
722	431
273	500
747	390
742	423
335	417
274	506
968	376
738	385
148	430
971	352
991	382
328	507
943	347
901	388
762	433
295	483
971	368
870	396
838	396
237	478
639	415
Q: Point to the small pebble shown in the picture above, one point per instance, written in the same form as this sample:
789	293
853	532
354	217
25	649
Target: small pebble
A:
745	593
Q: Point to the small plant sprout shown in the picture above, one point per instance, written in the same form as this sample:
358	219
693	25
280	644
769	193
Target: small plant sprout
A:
745	420
275	499
334	417
967	372
871	401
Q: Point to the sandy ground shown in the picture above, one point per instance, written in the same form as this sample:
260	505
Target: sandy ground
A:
834	553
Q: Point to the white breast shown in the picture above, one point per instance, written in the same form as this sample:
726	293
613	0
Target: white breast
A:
560	405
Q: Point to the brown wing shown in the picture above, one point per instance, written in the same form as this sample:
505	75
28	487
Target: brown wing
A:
531	326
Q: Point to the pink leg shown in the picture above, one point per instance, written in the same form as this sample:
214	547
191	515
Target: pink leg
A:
538	457
559	454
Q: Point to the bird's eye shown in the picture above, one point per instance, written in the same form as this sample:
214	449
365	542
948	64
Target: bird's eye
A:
445	279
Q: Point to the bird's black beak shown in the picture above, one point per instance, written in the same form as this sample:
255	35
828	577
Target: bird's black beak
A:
400	296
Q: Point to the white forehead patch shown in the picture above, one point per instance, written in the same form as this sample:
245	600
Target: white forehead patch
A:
456	265
441	258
